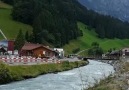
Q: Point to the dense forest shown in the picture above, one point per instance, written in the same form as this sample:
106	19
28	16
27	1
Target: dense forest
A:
55	21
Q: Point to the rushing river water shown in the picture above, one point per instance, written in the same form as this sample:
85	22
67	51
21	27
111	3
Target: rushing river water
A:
74	79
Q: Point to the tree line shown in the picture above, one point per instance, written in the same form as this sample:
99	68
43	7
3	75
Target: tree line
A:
55	21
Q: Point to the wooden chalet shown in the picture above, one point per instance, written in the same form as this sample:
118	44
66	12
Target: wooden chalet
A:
37	50
113	55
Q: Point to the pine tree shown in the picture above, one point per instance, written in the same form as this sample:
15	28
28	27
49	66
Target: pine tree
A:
27	36
19	42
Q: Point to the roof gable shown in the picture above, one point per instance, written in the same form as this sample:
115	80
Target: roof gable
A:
31	46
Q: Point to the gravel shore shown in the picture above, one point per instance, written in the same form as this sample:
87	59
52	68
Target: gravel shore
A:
121	75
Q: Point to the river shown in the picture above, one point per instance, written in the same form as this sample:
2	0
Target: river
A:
75	79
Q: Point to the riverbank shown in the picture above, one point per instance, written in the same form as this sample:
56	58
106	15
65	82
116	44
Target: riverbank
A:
117	81
16	73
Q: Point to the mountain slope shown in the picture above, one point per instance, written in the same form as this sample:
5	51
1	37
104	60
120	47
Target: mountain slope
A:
116	8
10	27
90	36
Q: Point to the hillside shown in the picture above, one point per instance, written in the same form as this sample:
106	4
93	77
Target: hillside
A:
10	27
56	21
90	36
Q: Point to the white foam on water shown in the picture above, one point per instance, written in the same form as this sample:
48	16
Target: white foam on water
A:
67	73
99	73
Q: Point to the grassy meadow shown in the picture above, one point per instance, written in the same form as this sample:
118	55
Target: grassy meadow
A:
10	27
90	36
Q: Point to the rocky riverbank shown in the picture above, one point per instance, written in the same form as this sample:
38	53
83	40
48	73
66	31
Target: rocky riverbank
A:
122	73
117	81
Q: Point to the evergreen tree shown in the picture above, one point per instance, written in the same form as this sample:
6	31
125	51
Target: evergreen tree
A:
27	36
95	44
20	41
95	50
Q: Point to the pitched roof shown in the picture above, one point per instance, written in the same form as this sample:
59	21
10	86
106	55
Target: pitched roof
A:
32	46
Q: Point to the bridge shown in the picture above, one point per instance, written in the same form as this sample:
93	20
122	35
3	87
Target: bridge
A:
106	59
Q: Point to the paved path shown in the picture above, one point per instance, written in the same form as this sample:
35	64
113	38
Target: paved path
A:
81	51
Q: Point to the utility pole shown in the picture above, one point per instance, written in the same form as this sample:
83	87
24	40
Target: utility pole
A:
3	34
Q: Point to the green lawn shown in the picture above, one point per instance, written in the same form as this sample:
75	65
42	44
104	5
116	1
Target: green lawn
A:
10	27
90	36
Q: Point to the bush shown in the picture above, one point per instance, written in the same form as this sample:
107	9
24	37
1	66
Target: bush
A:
5	75
76	50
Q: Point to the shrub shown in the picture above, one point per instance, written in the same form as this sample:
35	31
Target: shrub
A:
76	50
5	75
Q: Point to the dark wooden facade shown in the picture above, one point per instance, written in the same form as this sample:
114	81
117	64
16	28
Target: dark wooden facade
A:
10	45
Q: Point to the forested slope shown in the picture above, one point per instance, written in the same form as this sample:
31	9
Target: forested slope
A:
55	21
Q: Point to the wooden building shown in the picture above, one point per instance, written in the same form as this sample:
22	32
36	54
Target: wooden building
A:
116	54
37	50
125	51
